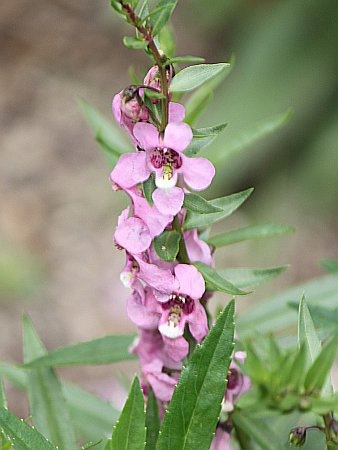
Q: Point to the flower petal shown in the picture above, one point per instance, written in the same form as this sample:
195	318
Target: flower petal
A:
177	349
133	235
197	172
197	249
168	201
190	281
160	279
177	136
176	112
147	135
116	107
198	322
141	314
131	169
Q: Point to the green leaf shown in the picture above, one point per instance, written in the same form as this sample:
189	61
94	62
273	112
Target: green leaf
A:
258	430
331	265
129	432
22	435
161	14
320	369
251	232
107	134
324	405
198	204
192	415
92	416
104	350
152	421
200	99
307	334
192	77
215	282
249	277
203	137
134	43
273	313
228	205
3	401
254	134
167	244
184	59
148	188
296	373
47	404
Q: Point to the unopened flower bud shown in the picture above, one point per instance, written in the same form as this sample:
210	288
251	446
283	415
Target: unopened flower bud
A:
297	436
131	104
333	429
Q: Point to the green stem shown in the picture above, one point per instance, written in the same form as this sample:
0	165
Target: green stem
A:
146	32
327	422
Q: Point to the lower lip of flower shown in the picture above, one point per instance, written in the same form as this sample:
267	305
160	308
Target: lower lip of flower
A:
168	160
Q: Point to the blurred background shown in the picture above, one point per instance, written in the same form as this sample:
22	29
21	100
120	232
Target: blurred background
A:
57	210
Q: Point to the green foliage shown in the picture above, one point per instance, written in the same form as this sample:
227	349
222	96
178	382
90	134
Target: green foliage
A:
107	134
249	277
161	14
215	282
103	350
47	405
252	134
22	435
167	245
148	188
203	137
152	421
192	77
129	432
227	204
331	265
198	204
200	390
134	43
246	233
184	59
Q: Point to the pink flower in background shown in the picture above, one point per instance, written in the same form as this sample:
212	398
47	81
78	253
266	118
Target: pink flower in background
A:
238	383
221	440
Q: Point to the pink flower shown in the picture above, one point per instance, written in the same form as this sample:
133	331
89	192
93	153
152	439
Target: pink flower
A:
197	249
180	304
221	440
132	233
162	384
237	385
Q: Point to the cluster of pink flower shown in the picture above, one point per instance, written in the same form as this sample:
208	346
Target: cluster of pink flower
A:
165	295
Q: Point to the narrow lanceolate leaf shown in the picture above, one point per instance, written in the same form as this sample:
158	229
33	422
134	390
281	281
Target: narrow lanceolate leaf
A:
319	371
192	77
201	98
167	245
108	135
161	14
134	43
47	404
129	432
3	401
148	188
203	137
228	205
324	405
246	233
198	204
307	334
104	350
254	134
184	59
191	418
258	430
92	416
249	277
22	435
152	421
215	282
